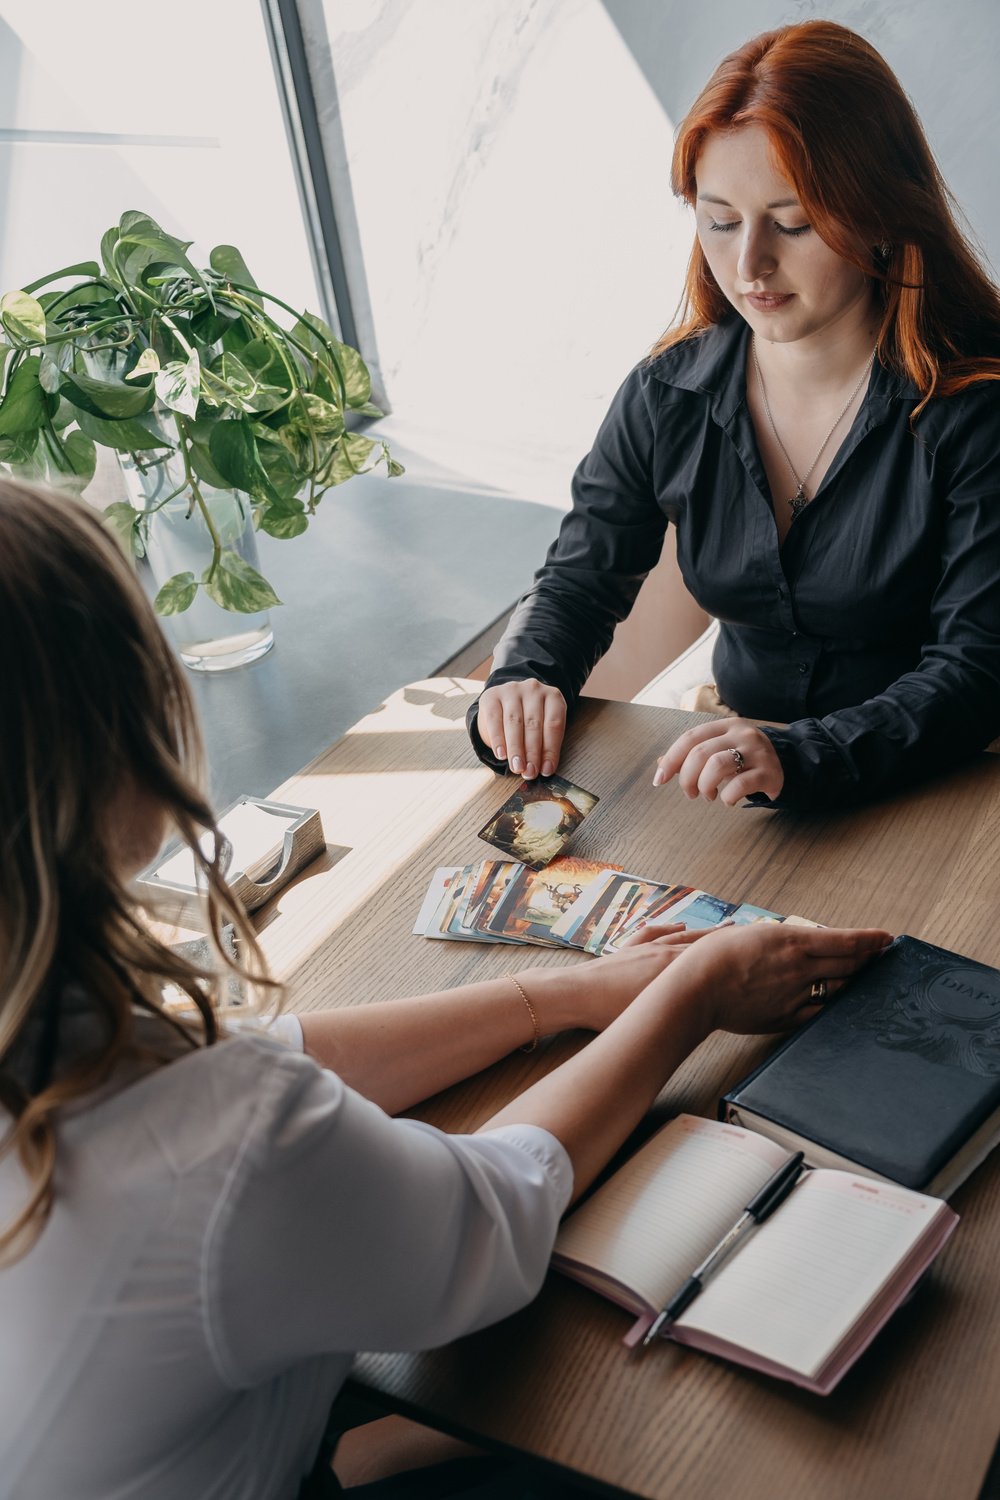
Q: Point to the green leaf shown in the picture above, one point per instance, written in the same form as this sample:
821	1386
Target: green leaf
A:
234	453
368	410
178	384
137	231
285	479
26	406
283	518
351	368
82	268
146	364
201	461
18	450
121	518
108	398
209	325
235	585
82	455
127	436
262	360
176	595
23	318
228	261
228	382
49	375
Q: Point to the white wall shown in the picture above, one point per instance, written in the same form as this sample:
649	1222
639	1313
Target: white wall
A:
508	163
109	105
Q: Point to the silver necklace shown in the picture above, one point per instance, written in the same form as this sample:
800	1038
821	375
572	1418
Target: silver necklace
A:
800	499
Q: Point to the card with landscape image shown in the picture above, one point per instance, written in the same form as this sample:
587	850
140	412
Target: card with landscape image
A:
537	821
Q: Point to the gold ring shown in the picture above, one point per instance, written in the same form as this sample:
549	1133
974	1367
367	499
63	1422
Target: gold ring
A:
738	760
817	991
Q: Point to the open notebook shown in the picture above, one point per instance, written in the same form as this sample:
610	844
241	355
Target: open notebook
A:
800	1298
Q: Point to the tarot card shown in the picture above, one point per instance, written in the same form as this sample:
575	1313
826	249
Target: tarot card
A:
566	929
537	822
745	915
664	907
600	905
619	914
707	911
657	904
800	922
455	920
492	893
535	899
436	892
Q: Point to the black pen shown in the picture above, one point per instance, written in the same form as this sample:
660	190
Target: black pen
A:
774	1191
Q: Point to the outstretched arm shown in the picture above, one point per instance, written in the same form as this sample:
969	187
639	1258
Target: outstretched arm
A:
744	979
401	1051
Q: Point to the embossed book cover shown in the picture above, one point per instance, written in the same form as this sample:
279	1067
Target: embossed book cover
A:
897	1077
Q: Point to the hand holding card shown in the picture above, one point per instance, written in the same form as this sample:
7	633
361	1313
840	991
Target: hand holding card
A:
538	820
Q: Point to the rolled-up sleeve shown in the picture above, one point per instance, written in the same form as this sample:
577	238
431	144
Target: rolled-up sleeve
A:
346	1229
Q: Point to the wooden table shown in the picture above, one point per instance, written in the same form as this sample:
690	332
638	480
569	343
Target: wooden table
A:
917	1418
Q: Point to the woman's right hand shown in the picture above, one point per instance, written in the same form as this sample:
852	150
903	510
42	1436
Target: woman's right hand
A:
759	978
524	723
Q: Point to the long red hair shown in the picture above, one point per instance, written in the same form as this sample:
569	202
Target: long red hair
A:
844	134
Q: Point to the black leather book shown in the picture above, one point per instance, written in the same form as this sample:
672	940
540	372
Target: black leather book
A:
897	1077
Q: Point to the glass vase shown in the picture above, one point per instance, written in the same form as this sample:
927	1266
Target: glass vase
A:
209	638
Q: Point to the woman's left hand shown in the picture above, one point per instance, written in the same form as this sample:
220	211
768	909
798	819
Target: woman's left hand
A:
605	987
726	759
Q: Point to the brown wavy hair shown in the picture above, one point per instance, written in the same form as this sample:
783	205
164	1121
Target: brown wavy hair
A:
98	726
844	134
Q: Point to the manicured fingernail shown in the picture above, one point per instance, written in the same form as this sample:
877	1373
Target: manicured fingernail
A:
660	776
547	768
530	771
499	752
515	765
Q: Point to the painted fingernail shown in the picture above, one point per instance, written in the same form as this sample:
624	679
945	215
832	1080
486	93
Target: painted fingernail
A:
515	765
547	768
499	752
660	776
530	771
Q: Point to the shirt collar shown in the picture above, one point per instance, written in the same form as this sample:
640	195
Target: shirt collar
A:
714	364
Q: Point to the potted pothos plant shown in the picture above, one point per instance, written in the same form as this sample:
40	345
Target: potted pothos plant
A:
201	381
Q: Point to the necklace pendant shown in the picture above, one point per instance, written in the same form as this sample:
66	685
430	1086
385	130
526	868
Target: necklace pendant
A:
798	503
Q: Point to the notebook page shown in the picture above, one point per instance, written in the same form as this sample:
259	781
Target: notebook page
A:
661	1213
799	1283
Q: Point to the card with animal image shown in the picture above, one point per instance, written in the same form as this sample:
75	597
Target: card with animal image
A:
599	903
536	823
536	899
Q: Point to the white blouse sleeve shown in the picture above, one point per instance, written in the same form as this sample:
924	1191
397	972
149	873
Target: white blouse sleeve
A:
342	1228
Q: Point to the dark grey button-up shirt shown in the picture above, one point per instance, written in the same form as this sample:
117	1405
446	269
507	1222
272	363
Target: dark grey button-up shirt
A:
873	632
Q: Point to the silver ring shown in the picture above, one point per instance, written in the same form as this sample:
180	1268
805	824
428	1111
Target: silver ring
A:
817	991
738	760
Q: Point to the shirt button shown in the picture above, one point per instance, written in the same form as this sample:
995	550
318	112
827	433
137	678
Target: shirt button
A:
803	667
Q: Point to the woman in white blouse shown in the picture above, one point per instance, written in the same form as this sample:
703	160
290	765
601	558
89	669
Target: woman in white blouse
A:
197	1230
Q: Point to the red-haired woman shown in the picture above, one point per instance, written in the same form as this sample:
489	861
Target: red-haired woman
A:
823	429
